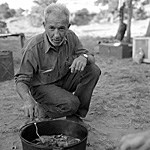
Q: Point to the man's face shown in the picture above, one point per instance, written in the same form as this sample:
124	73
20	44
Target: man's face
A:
56	27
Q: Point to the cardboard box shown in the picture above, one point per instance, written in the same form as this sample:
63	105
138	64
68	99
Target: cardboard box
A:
142	43
117	50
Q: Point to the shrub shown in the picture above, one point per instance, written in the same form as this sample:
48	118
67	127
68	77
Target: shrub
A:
82	17
35	20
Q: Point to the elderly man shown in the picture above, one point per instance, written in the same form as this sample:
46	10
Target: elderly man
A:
57	75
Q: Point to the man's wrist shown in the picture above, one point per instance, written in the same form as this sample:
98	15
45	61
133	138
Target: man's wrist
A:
85	55
87	58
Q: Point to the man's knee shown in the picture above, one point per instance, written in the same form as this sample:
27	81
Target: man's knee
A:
73	104
94	70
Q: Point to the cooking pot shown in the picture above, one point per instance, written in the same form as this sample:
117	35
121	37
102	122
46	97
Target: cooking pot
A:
53	127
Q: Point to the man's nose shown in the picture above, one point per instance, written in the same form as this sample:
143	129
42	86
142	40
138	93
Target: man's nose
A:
56	33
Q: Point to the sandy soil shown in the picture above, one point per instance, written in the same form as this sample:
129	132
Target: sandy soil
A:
120	105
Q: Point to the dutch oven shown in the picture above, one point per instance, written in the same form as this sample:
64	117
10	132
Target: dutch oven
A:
53	127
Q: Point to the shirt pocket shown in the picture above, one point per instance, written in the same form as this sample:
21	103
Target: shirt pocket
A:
66	64
46	75
68	61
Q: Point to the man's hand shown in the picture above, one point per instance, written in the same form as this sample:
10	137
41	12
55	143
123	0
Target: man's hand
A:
31	108
78	64
137	141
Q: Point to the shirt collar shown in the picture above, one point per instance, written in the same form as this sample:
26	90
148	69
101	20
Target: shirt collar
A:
48	45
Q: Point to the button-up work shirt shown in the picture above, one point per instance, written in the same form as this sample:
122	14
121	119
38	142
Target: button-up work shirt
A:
43	64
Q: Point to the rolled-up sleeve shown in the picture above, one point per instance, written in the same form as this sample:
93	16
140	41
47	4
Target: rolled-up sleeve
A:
27	68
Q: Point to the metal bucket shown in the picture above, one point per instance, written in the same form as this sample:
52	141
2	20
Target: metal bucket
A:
53	127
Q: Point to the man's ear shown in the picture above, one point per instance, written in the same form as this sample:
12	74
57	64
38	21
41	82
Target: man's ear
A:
44	24
69	25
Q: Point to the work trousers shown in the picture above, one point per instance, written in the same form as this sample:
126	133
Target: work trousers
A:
69	95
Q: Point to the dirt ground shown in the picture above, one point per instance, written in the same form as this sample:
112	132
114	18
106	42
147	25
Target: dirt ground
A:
120	104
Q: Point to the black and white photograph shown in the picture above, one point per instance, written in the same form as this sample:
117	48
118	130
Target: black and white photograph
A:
74	74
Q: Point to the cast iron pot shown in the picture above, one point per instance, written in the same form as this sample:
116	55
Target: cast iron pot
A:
53	127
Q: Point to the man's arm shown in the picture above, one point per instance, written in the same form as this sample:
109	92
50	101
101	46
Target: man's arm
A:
30	105
90	59
80	62
84	57
23	90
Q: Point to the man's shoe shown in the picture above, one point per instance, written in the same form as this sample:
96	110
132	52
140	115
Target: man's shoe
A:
77	119
74	118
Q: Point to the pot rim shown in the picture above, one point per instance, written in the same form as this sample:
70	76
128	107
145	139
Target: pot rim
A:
44	147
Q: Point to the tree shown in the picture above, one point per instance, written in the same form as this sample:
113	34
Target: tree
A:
41	4
129	6
44	3
19	12
148	30
82	17
3	8
122	26
101	1
112	9
36	15
9	13
6	12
